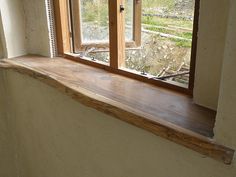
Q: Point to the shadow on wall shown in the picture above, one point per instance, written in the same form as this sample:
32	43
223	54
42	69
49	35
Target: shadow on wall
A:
1	46
2	53
1	50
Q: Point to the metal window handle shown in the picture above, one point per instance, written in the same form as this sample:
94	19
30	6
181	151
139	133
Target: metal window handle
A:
122	8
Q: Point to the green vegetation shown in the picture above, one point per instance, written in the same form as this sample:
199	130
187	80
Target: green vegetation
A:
178	42
152	20
157	53
95	11
169	4
182	43
187	35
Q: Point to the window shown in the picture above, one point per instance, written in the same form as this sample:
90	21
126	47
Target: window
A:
149	40
90	24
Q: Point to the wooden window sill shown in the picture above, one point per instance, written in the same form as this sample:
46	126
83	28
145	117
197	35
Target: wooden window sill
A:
166	113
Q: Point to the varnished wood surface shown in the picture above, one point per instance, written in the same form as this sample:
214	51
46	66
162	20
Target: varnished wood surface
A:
62	26
124	72
116	34
137	22
194	45
65	41
165	113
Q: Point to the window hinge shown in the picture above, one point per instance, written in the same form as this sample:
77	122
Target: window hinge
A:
122	8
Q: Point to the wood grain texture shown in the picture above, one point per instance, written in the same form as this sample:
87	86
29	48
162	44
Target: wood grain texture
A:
122	71
62	26
168	114
137	22
76	25
116	34
194	45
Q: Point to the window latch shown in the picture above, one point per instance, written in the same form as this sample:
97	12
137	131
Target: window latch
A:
122	8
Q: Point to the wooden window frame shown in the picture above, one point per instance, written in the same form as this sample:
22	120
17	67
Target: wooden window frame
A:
77	33
117	43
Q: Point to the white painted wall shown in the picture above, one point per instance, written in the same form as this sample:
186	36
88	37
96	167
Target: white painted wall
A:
2	53
57	136
25	28
7	153
12	17
1	50
12	44
36	27
226	118
211	44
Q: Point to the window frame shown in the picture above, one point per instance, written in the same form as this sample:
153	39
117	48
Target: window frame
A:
79	45
117	43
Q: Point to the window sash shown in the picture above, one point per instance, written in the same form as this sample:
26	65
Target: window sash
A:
78	43
65	49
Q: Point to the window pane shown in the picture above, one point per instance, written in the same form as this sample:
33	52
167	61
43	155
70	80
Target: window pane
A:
91	30
166	41
94	21
94	28
129	16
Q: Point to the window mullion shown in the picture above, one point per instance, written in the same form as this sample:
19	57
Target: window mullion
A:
137	22
62	26
117	34
76	25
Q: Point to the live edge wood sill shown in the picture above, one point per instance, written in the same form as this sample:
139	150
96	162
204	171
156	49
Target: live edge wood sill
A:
166	113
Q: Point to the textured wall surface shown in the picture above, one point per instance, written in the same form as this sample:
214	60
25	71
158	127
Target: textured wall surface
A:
7	153
13	34
226	118
57	136
36	27
25	27
2	53
1	50
211	44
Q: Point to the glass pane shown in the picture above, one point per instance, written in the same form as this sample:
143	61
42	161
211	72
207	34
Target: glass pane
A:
166	41
94	21
129	16
93	30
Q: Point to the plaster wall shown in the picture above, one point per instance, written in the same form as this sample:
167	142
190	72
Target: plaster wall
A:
7	153
210	53
2	53
24	28
13	28
37	38
57	136
1	50
226	118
